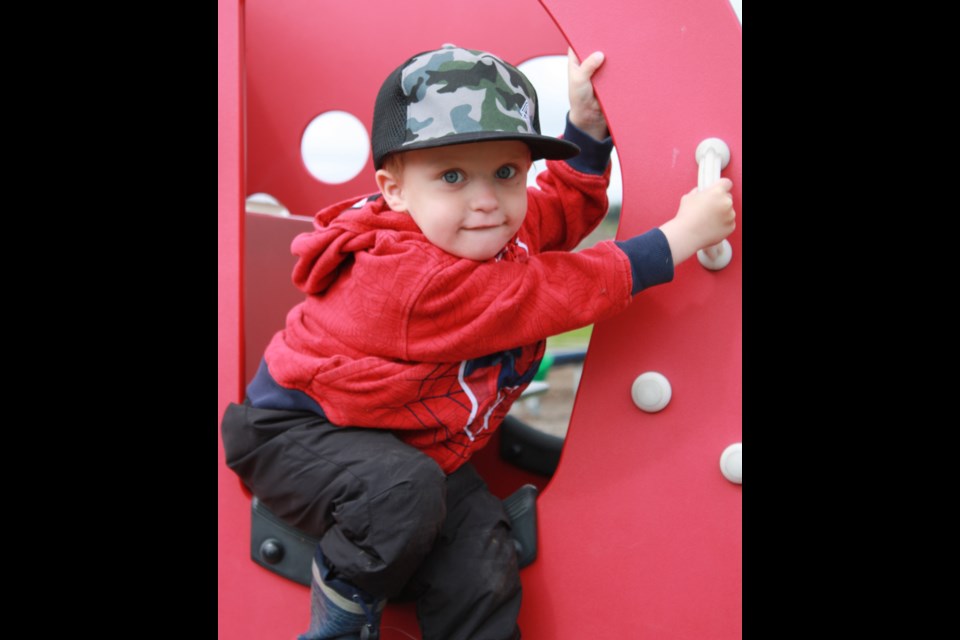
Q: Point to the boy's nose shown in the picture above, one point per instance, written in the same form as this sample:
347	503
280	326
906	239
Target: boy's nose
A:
483	197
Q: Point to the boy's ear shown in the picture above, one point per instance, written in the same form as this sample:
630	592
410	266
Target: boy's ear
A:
391	189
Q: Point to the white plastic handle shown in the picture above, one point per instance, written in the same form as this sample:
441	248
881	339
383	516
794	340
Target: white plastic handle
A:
713	155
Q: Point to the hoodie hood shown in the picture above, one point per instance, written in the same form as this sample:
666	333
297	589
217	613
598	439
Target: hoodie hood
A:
340	231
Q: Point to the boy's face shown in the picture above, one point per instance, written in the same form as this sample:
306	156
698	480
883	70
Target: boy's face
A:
468	199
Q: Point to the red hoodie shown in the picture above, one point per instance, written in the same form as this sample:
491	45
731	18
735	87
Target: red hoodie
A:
395	333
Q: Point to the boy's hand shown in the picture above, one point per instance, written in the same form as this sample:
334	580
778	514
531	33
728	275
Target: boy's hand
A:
703	219
585	111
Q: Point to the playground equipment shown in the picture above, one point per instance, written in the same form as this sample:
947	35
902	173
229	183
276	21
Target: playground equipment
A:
639	527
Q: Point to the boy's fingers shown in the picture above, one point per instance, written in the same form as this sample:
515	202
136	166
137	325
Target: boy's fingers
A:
724	184
590	65
593	62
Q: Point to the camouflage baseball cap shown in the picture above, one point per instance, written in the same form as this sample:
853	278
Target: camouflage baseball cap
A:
454	96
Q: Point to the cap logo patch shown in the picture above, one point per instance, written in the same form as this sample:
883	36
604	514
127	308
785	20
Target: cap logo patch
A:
527	116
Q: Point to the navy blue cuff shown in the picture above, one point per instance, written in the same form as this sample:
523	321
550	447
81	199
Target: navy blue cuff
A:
594	154
651	262
263	392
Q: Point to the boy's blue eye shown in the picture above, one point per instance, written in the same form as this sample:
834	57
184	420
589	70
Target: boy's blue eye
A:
506	172
451	177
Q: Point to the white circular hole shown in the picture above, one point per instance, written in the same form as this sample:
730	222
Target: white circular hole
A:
549	77
334	147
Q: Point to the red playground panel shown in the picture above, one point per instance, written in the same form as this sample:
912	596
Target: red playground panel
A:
640	532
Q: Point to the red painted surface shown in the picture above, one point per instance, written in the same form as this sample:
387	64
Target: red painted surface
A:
638	530
232	566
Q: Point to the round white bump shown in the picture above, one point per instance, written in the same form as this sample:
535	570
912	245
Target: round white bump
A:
266	203
651	391
731	463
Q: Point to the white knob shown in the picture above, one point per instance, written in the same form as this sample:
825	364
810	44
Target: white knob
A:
651	391
731	463
712	156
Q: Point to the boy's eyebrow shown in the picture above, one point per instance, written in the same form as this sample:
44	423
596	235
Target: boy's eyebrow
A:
525	156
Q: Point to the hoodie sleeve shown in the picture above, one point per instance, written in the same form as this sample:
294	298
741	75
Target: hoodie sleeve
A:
466	310
572	198
410	301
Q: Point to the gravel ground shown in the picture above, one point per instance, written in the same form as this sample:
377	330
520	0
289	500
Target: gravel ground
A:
550	412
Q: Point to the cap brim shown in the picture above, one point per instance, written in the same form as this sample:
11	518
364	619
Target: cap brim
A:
541	147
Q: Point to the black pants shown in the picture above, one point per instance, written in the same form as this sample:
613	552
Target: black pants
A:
388	519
